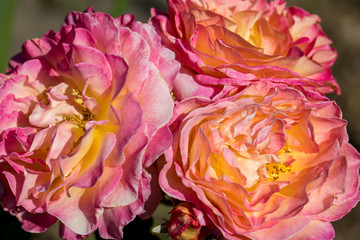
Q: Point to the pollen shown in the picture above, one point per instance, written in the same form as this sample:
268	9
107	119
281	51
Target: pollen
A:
45	99
173	95
78	96
275	170
80	120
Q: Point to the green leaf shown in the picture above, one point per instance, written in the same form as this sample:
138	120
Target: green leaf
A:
7	8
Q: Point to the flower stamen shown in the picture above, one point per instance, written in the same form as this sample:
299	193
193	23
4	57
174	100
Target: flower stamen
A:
274	170
80	121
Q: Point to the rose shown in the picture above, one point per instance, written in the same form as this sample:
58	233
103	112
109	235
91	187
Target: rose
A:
84	114
222	43
269	162
183	224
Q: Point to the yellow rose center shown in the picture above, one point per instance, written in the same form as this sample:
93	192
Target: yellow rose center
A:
81	121
274	170
86	116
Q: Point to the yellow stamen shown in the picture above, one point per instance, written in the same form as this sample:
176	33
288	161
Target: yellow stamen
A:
274	170
173	95
78	95
86	115
80	121
44	98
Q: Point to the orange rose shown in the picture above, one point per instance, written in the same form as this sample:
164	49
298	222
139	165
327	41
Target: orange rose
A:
222	43
269	162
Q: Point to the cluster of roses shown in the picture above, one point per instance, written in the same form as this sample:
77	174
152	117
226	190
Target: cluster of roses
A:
220	104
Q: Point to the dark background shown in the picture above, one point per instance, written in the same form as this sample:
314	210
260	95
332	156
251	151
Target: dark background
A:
24	19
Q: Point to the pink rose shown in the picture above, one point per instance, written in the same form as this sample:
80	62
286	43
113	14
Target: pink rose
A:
183	223
84	114
222	43
269	162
